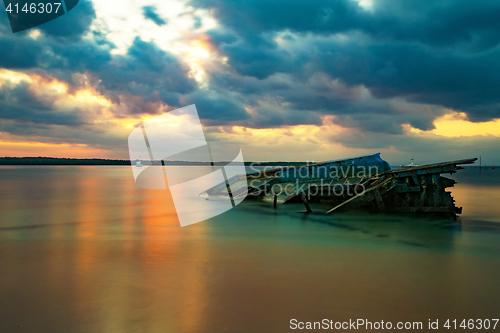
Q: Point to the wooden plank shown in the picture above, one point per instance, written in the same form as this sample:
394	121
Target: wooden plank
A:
304	200
423	193
447	182
378	200
403	188
366	196
415	178
437	190
354	202
440	169
434	166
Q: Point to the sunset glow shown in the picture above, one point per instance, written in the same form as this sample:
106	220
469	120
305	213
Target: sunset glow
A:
278	89
457	125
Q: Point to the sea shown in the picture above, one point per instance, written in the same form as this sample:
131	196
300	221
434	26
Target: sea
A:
84	249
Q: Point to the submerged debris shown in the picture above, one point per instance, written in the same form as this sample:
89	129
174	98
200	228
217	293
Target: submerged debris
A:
354	183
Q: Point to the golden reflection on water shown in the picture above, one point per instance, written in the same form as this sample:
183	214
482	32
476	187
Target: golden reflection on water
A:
107	256
478	201
146	252
113	256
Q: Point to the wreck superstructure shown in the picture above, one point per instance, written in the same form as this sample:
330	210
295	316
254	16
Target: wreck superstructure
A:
365	182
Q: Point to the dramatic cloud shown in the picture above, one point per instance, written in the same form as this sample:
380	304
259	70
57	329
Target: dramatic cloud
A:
73	24
80	57
149	12
341	75
446	22
443	54
21	103
149	72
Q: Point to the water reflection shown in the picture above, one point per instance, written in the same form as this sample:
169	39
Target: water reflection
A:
85	249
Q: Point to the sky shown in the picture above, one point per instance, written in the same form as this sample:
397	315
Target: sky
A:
285	80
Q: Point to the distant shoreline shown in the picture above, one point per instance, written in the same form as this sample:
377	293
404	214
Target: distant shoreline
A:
111	162
99	161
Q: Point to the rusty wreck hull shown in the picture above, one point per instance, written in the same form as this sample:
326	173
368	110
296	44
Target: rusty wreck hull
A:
365	182
419	189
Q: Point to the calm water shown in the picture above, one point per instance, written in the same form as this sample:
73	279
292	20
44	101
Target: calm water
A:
83	249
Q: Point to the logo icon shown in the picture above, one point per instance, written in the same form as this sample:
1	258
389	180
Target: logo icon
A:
171	151
26	14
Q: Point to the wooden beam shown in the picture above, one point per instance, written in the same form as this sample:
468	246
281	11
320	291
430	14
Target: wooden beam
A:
403	188
437	190
366	196
379	201
416	179
304	200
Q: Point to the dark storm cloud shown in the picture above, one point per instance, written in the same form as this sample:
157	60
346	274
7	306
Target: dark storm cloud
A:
266	99
19	54
217	37
382	122
19	102
425	54
270	117
22	94
260	62
59	46
439	53
68	50
217	109
149	72
472	24
73	24
146	63
461	81
197	22
90	135
63	60
28	115
467	82
150	13
249	85
430	22
250	17
145	71
283	99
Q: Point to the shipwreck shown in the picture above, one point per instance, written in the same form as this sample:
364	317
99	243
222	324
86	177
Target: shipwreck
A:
365	182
